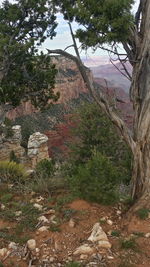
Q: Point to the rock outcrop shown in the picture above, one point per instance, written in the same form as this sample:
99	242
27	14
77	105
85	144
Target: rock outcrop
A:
37	148
13	143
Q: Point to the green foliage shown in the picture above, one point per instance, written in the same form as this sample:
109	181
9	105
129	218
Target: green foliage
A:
143	213
129	244
13	157
25	73
45	168
73	264
107	22
11	172
115	233
95	132
6	198
96	180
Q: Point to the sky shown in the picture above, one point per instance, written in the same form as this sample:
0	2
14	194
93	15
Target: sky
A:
63	39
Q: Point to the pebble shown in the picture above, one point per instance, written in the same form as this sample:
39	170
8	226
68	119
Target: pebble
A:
43	228
3	252
71	223
12	245
43	219
38	206
31	244
147	235
109	222
18	213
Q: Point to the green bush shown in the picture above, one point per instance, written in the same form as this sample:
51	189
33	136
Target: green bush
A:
11	172
143	213
94	131
45	168
96	180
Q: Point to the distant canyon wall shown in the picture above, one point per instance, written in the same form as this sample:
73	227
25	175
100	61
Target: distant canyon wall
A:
68	82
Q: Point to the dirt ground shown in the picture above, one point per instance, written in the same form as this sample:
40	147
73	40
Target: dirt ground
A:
70	227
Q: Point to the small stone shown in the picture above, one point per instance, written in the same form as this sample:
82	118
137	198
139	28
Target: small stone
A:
12	245
83	257
118	212
39	199
3	252
51	259
43	228
104	244
110	257
38	206
51	211
31	244
43	219
2	206
37	250
84	249
52	218
109	222
71	223
18	213
147	235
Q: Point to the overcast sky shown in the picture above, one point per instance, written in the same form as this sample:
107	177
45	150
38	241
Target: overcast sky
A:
63	38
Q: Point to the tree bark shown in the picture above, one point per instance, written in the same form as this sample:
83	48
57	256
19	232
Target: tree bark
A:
140	95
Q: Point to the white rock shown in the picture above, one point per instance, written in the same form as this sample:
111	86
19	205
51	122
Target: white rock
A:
13	246
3	252
43	229
43	219
118	212
84	249
71	223
2	206
147	235
31	244
97	234
110	257
83	257
38	206
51	211
104	244
51	259
37	250
39	199
18	213
52	218
109	222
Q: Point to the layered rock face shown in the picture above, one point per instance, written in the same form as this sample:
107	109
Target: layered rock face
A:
37	148
7	145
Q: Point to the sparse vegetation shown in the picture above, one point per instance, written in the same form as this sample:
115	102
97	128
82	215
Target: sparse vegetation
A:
11	172
129	244
73	264
143	213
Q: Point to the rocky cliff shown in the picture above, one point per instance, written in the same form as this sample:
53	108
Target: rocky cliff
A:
68	82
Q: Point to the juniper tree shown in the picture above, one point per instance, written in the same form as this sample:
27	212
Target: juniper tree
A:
25	73
110	22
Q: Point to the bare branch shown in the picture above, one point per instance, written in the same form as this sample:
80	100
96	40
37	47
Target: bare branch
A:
102	102
68	47
128	77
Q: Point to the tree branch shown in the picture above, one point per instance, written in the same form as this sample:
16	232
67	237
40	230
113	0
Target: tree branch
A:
102	102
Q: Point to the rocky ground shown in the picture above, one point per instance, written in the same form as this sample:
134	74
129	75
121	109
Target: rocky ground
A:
37	230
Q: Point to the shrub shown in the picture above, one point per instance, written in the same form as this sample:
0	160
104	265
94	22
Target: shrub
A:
45	168
96	180
129	244
13	157
94	131
143	213
12	172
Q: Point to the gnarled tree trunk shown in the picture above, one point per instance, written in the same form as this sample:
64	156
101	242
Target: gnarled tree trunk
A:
140	95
